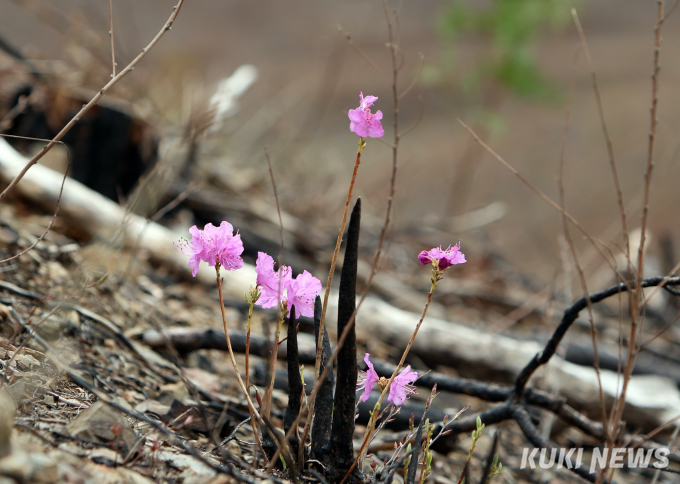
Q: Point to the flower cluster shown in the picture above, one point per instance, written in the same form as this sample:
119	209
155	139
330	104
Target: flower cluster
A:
364	123
219	245
213	245
442	259
400	389
279	286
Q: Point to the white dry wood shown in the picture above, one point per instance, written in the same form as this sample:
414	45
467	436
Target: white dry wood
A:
107	220
651	399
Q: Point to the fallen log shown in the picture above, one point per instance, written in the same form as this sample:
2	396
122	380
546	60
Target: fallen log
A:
106	220
493	357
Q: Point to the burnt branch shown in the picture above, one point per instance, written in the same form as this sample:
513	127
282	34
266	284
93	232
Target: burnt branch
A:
321	428
342	452
295	387
568	319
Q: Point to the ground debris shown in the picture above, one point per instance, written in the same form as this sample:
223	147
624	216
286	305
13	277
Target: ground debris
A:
102	422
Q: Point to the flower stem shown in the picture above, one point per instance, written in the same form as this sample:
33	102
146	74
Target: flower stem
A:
254	423
275	353
250	317
244	389
338	242
319	344
436	277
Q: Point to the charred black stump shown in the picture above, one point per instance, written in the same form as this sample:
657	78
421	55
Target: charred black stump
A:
323	407
342	452
295	387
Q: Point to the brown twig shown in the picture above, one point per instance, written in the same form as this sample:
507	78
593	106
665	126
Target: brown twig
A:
638	298
113	51
542	195
605	131
567	234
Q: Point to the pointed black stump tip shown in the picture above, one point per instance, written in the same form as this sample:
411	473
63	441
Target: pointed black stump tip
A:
342	452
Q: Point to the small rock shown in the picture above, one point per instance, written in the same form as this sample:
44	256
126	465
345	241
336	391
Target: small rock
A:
52	329
31	468
173	391
25	361
57	272
105	424
154	407
17	392
7	411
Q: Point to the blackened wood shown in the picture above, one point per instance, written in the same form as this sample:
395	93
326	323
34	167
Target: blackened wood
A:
185	340
295	387
570	315
323	406
532	434
342	452
417	446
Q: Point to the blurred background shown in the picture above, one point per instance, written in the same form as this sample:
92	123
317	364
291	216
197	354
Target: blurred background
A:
502	66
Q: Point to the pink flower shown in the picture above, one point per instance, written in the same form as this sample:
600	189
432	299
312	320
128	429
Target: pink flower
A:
212	245
279	286
401	386
301	293
272	283
363	122
444	258
367	379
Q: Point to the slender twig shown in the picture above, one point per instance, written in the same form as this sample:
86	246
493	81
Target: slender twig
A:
113	51
416	78
244	390
639	295
268	394
317	365
605	131
567	234
129	68
269	390
348	36
542	195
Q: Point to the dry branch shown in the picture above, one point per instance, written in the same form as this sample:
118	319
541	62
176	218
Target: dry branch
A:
106	220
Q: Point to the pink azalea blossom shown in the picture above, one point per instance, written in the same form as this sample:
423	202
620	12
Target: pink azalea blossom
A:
401	386
301	293
367	379
212	245
363	122
445	258
279	286
272	283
